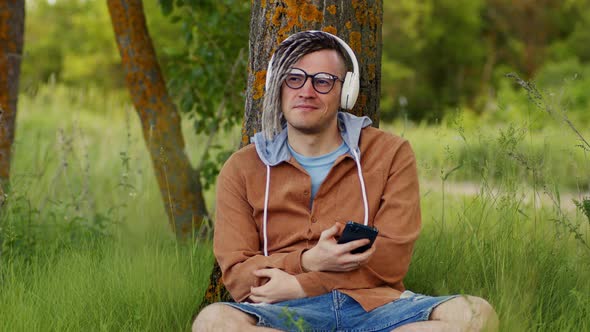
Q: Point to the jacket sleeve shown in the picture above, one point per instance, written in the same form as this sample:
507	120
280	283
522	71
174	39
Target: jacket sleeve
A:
398	220
236	242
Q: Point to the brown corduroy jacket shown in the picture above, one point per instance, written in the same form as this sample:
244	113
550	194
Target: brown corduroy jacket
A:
389	170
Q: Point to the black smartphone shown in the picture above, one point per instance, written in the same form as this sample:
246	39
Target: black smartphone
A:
355	231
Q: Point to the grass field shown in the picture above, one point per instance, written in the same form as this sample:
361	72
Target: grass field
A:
85	243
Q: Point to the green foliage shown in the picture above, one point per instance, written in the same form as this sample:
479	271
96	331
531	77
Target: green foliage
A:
27	231
584	207
428	39
201	46
578	40
207	76
73	42
437	55
443	55
70	41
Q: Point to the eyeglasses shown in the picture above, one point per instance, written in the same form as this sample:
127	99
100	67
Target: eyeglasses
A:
321	82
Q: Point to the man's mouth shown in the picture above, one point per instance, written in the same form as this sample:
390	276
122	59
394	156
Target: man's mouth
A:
305	107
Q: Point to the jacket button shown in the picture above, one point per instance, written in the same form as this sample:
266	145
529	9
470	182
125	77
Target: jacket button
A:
306	192
314	220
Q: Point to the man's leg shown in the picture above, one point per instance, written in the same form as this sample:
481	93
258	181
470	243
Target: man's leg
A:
221	317
465	313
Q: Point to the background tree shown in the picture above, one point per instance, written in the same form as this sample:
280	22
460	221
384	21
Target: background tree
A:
12	25
271	22
179	183
208	72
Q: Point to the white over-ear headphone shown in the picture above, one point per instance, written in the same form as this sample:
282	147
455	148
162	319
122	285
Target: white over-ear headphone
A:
351	85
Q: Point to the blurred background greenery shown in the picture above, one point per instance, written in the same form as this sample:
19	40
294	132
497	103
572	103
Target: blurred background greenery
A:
438	55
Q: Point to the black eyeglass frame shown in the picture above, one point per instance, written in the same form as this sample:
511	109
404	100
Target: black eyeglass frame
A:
331	77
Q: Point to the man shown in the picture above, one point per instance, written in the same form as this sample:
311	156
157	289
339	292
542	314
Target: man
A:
282	203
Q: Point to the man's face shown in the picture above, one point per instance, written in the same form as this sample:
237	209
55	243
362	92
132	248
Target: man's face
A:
306	110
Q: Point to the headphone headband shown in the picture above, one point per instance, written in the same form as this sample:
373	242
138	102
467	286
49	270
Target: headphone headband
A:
351	84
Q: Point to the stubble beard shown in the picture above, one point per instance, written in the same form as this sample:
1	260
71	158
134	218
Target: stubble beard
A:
319	126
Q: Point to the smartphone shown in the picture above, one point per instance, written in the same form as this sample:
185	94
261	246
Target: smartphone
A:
355	231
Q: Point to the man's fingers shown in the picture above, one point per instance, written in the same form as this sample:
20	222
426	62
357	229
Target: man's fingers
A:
257	291
368	253
349	246
257	298
330	232
264	273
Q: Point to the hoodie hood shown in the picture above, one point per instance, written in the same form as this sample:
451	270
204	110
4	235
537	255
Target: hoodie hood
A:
275	151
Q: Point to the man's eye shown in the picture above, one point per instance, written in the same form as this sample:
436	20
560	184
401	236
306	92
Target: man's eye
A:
321	81
294	78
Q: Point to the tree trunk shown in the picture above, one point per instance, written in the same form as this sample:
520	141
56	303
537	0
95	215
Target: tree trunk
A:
358	22
179	183
12	28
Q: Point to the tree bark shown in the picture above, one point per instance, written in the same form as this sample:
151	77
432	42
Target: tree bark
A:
12	28
358	22
179	183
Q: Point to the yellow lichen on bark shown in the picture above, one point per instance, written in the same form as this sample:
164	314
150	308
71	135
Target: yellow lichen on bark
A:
311	13
332	9
330	29
375	17
245	137
348	25
360	8
259	83
355	41
371	71
292	15
276	17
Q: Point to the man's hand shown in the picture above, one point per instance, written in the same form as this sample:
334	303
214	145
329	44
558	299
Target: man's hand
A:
328	255
281	286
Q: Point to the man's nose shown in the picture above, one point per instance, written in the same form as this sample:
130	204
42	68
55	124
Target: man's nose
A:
307	89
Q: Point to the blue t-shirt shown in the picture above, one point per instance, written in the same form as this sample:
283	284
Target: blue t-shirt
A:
318	167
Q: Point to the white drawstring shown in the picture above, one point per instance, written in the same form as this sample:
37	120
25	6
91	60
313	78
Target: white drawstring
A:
358	167
266	210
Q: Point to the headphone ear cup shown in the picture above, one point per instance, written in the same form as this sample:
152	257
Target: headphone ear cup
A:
350	91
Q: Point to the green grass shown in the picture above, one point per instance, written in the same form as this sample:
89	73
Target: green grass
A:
154	286
498	247
85	243
513	151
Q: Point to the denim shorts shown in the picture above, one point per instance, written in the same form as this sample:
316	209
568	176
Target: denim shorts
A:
336	311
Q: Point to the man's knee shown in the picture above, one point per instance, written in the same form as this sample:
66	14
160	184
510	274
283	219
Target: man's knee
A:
475	312
221	317
484	315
